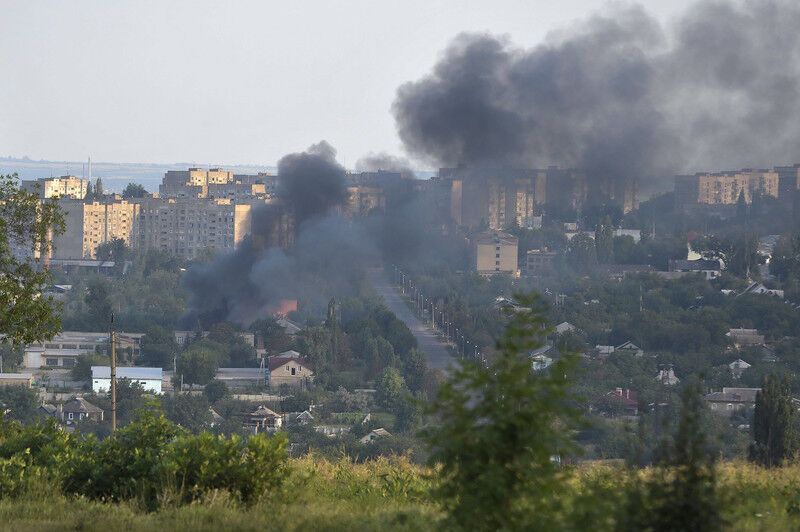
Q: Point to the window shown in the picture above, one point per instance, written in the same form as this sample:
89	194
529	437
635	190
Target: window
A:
293	371
497	255
51	361
69	415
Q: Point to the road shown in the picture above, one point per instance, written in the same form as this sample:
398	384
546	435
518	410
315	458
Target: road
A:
434	349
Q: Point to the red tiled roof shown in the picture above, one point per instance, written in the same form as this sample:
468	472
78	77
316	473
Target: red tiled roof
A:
276	362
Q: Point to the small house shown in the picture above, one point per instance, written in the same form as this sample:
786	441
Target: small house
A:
745	337
667	377
737	367
289	369
262	419
630	347
732	399
79	409
374	435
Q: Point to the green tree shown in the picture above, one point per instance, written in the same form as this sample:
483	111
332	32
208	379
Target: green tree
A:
682	493
604	241
773	423
98	303
134	190
188	411
98	189
27	227
581	253
414	370
18	402
390	390
497	430
198	365
82	370
215	390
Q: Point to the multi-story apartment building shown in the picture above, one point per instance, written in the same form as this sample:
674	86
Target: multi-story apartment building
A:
362	199
724	188
88	225
495	252
186	226
67	186
192	183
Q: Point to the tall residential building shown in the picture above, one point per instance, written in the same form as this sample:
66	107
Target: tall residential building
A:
88	225
724	188
67	186
495	252
192	183
363	199
186	226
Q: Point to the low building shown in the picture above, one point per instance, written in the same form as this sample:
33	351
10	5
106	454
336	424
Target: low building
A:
183	338
494	253
289	370
711	269
151	379
630	347
79	409
745	337
635	234
758	288
262	419
732	399
539	262
374	435
667	377
626	399
565	327
737	367
16	379
65	347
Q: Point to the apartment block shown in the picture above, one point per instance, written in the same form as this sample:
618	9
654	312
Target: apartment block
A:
88	225
186	226
495	252
67	186
362	199
192	183
724	188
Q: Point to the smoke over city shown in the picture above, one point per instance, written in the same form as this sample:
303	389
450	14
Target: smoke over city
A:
245	284
617	95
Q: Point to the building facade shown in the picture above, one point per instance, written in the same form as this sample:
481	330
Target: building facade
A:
67	186
495	252
725	188
88	225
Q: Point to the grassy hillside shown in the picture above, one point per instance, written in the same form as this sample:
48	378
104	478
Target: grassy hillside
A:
391	495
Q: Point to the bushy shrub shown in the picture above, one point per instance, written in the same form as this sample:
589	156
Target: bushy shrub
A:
200	464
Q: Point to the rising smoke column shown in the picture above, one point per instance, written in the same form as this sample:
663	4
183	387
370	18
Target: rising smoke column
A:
617	95
241	285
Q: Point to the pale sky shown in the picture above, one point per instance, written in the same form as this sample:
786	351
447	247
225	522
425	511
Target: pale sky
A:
233	81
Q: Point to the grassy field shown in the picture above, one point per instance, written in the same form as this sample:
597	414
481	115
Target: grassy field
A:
388	495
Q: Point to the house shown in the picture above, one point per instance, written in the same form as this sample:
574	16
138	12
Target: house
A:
79	409
216	419
289	327
758	288
16	379
603	350
505	303
242	377
565	327
711	269
150	379
184	338
304	418
630	347
262	419
541	362
628	399
635	234
48	410
289	369
618	272
768	354
745	337
65	348
374	435
732	399
737	367
667	377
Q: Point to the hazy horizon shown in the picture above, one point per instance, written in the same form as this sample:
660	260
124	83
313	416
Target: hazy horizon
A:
243	84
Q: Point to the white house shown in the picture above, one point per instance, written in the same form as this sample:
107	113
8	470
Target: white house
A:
737	367
667	377
565	327
541	362
149	378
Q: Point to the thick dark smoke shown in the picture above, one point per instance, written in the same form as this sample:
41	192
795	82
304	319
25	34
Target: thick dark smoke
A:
245	284
374	162
618	95
312	182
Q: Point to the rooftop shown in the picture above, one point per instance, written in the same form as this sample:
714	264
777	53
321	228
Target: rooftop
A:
128	372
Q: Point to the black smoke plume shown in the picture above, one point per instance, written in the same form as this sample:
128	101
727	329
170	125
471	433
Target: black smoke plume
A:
617	95
243	285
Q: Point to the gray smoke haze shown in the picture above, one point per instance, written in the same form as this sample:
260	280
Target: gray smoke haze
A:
242	285
374	162
617	95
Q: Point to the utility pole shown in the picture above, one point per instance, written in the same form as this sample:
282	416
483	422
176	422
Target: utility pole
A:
112	339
